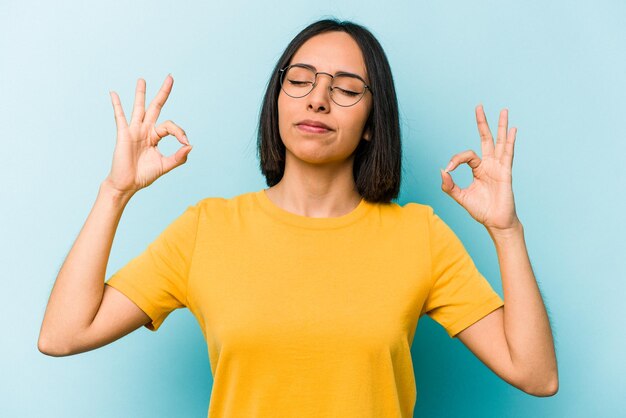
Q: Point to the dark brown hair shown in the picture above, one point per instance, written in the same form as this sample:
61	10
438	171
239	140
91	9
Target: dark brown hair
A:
377	162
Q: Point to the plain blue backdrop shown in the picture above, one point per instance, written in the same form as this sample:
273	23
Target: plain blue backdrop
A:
559	67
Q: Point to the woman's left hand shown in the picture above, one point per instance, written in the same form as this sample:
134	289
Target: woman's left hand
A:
489	199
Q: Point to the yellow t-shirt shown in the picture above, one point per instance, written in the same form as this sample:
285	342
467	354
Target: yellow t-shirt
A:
308	317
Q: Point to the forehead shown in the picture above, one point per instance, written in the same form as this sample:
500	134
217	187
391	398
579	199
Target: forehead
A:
332	52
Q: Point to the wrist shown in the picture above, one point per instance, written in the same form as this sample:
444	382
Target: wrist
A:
108	190
502	234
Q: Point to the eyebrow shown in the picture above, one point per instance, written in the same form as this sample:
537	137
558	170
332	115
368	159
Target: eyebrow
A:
340	72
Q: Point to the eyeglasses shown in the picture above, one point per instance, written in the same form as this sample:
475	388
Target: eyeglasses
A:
346	89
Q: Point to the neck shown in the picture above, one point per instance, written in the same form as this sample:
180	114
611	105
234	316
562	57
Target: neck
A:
318	191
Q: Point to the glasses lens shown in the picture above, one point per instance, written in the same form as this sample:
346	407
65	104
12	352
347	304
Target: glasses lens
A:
347	90
298	81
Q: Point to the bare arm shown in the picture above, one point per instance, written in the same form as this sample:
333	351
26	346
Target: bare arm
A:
77	292
514	341
82	313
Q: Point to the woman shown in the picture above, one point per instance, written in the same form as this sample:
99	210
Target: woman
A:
308	293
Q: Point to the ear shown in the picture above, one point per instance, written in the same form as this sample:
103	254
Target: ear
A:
367	134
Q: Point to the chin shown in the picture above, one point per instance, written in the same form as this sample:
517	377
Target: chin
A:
315	156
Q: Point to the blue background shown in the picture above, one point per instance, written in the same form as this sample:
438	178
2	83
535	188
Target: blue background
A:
559	67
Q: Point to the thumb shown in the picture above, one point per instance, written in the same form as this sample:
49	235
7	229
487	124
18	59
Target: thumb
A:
448	185
178	158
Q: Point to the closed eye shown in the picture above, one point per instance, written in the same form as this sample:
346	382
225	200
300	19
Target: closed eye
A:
346	92
299	83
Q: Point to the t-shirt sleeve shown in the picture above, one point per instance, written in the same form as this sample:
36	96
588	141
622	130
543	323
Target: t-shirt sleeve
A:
460	295
156	280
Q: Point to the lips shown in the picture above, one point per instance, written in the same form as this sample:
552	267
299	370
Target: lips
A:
313	126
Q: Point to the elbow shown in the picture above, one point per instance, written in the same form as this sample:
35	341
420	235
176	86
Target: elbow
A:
547	388
45	347
541	380
553	387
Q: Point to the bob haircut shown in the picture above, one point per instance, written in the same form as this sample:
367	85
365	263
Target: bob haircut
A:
377	162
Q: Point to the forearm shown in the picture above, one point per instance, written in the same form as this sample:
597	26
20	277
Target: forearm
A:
526	323
79	286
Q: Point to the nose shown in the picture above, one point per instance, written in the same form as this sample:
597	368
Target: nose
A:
319	97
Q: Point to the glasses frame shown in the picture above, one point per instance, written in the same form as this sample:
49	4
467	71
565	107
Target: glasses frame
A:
283	71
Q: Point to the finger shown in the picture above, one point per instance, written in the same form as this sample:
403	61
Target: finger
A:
152	114
507	155
469	157
503	123
139	108
449	187
168	128
486	140
120	119
178	158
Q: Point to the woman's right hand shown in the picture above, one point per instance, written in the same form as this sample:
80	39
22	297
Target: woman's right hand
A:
137	162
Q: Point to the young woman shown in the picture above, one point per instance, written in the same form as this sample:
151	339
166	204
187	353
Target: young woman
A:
309	292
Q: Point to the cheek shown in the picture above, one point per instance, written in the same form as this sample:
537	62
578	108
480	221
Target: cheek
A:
285	109
283	116
358	122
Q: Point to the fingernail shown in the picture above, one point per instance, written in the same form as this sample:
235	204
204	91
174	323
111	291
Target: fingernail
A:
185	139
449	167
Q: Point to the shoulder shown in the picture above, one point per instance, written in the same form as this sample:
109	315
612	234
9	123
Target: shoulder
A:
411	218
217	206
415	208
408	210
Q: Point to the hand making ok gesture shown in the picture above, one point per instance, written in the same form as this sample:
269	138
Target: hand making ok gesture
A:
489	199
137	161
